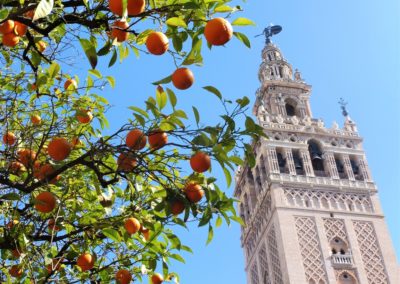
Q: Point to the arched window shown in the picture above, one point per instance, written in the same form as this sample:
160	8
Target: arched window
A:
338	246
316	158
346	278
298	163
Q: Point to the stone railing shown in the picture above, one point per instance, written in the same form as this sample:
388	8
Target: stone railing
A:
342	260
325	181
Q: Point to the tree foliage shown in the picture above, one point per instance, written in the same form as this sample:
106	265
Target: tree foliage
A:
97	180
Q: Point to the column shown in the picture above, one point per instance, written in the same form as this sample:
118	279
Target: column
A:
362	164
347	167
305	156
290	161
331	165
272	161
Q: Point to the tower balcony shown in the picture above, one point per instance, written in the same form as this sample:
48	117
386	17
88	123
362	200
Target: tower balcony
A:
322	180
342	260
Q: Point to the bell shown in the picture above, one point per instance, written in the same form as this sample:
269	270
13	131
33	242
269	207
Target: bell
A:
297	163
281	160
316	156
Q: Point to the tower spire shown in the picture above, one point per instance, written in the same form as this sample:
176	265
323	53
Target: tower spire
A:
269	31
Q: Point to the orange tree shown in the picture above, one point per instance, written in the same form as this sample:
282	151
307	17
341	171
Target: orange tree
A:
77	205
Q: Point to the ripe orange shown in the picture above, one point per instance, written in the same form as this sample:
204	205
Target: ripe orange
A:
36	119
145	232
157	278
16	168
119	32
193	192
177	207
52	225
126	162
26	156
10	39
157	139
59	148
55	266
29	14
84	116
123	276
136	139
15	271
157	43
16	252
9	138
41	46
200	162
182	78
218	31
134	7
132	225
85	261
7	27
70	84
20	29
45	202
42	172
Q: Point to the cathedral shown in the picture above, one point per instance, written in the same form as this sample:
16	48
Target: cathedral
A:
310	205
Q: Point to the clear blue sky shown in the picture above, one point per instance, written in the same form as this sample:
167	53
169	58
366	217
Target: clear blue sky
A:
343	48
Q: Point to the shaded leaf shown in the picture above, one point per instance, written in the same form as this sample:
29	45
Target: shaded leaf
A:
213	90
90	51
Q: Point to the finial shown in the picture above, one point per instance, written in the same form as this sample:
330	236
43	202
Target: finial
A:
270	31
343	105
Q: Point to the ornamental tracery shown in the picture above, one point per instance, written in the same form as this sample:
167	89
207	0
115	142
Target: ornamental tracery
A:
274	256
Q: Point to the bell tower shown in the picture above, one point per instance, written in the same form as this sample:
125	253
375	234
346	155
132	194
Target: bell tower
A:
310	205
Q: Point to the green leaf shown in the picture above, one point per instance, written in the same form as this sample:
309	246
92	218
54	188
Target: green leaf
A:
243	102
224	9
213	90
111	81
218	223
176	22
10	196
3	14
210	234
161	98
43	9
243	38
194	56
113	58
95	73
196	115
163	81
172	97
237	219
90	51
243	22
105	49
250	124
139	110
112	234
54	69
177	257
228	177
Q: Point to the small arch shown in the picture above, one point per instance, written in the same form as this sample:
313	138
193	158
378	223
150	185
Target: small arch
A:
346	278
339	246
291	107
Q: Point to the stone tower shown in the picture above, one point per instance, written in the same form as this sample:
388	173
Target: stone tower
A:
310	205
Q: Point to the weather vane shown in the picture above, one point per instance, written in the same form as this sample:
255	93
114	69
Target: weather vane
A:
270	31
343	105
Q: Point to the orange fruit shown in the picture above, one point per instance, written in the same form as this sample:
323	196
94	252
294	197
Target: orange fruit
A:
52	225
45	202
134	7
59	148
55	266
41	46
126	162
132	225
193	192
157	139
136	139
200	162
29	14
145	232
36	119
157	43
84	116
85	261
16	252
123	276
10	39
76	141
182	78
42	172
177	207
20	29
9	138
15	271
33	87
16	168
218	31
26	156
7	27
70	84
157	278
119	32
